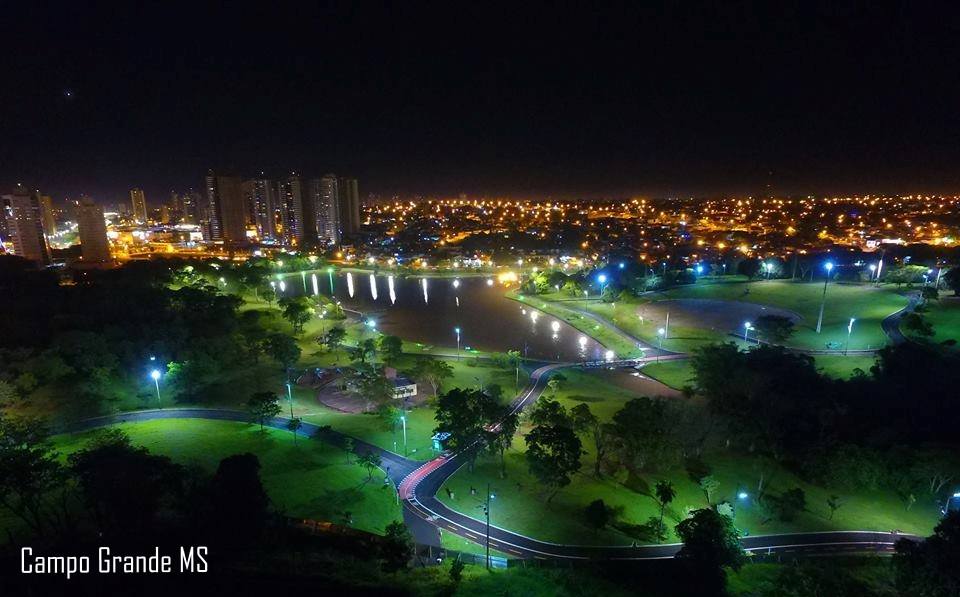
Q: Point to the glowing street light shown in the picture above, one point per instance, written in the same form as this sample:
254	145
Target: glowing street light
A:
489	281
456	283
456	330
555	326
660	334
155	376
743	495
849	331
403	420
699	269
829	267
609	355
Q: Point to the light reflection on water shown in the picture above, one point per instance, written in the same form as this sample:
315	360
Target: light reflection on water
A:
427	311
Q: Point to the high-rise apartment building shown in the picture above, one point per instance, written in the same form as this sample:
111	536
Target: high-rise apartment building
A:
291	210
349	206
225	214
324	197
46	216
260	199
139	202
25	225
92	228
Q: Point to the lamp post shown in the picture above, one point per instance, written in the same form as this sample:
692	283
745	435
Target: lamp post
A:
155	375
457	331
403	420
660	333
486	512
823	302
849	331
602	278
290	396
747	326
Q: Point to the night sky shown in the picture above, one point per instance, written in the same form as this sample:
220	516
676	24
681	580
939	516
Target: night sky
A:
496	101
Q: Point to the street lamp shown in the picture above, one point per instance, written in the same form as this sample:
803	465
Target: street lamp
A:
660	334
457	331
486	511
849	331
747	326
873	270
403	420
155	375
829	267
602	278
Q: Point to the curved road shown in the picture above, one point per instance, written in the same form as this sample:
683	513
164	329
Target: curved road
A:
417	484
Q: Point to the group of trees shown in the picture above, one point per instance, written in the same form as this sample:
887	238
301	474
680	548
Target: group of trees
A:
112	328
874	430
477	421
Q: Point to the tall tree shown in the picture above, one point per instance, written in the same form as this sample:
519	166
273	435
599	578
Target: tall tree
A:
297	311
585	422
665	493
396	547
33	482
391	347
432	372
263	406
710	543
931	567
284	350
369	460
334	338
465	415
500	438
553	449
643	436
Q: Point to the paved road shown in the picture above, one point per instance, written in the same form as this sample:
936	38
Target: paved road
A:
891	323
418	483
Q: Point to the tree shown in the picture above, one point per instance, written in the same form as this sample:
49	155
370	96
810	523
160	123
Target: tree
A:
500	438
123	486
432	372
283	349
465	415
294	425
334	338
597	514
791	503
710	543
370	383
708	485
642	435
952	280
391	347
396	547
237	494
297	311
363	349
369	460
33	482
774	328
917	325
665	493
263	406
553	451
834	502
585	422
930	567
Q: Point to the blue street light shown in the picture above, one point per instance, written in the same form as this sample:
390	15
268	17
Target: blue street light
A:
699	269
622	265
747	326
155	376
823	303
742	495
456	330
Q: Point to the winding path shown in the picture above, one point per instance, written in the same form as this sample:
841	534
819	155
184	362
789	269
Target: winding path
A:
427	517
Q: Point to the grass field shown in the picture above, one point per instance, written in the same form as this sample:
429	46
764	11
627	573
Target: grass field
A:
675	374
944	316
867	304
521	504
310	479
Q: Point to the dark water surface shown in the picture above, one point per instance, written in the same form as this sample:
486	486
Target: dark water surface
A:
428	310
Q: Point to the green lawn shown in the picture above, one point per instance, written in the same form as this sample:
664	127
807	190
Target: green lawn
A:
521	503
843	367
944	316
676	374
867	304
310	479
